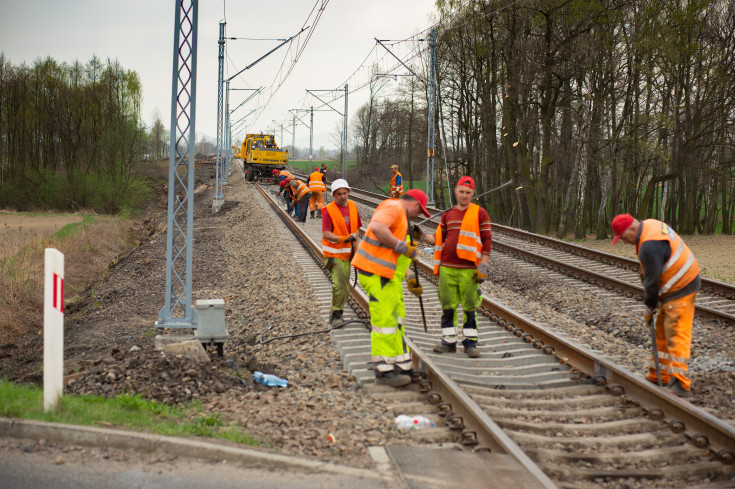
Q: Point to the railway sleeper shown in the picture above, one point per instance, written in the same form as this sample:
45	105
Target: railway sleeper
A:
561	394
684	472
638	441
556	404
681	453
603	413
621	427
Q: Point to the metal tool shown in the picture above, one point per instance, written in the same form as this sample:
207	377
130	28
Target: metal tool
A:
416	272
655	349
509	182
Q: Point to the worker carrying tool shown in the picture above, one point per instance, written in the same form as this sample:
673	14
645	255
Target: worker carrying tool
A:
462	246
670	276
340	223
396	183
382	261
317	188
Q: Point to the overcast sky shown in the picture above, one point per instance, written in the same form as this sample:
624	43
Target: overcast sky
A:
139	34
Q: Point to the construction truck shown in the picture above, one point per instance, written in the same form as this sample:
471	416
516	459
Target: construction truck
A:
260	155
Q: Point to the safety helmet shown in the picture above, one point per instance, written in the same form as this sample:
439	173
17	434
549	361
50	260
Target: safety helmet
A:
338	184
276	171
283	183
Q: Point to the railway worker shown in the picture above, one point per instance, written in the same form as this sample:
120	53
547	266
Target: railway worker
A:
670	276
301	196
462	245
382	261
323	168
317	188
339	239
396	183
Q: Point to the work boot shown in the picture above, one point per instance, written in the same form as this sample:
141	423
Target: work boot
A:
472	351
444	347
392	378
319	213
674	386
312	214
336	321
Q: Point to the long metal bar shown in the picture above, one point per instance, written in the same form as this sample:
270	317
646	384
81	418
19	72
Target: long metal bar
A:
177	311
431	119
267	54
219	195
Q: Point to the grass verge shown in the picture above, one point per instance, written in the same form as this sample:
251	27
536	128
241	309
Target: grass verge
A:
128	411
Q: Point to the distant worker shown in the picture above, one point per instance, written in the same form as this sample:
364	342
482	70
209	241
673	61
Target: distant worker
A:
301	197
323	168
317	188
462	245
339	240
382	261
670	275
396	183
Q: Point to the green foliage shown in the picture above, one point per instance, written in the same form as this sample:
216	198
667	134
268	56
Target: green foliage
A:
126	410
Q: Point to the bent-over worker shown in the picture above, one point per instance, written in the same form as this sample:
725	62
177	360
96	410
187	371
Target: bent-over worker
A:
670	276
382	261
301	197
317	188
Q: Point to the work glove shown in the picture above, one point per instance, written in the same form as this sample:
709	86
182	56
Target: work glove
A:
330	263
347	239
648	314
480	274
411	251
416	233
414	287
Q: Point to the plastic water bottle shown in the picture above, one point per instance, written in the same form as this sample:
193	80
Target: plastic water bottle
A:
413	422
269	380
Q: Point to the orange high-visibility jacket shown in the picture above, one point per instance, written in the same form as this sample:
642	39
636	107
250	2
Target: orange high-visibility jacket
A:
316	182
681	268
301	189
372	255
340	250
469	243
285	173
396	190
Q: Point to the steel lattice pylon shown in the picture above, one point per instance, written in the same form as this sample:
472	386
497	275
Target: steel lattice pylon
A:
178	311
219	195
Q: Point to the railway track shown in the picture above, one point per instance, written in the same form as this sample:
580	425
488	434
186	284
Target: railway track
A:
583	420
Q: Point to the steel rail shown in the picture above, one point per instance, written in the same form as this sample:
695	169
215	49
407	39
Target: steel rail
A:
478	428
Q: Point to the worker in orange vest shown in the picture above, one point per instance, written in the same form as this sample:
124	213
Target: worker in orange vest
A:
396	183
340	223
462	245
317	188
382	261
301	197
670	276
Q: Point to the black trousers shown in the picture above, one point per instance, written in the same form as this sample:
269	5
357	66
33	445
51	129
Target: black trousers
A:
304	206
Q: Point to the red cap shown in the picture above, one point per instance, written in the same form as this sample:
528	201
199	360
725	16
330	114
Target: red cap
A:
275	171
620	224
283	183
467	182
316	169
421	198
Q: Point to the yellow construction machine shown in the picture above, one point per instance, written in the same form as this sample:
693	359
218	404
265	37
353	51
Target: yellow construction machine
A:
261	155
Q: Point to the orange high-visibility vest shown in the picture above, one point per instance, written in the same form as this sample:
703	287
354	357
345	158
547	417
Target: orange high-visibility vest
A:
681	268
375	257
340	250
396	190
285	173
316	182
301	189
469	243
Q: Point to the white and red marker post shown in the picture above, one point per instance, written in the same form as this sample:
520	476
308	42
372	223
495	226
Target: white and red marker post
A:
53	328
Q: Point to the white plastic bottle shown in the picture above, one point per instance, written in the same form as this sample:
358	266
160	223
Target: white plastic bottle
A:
413	422
269	380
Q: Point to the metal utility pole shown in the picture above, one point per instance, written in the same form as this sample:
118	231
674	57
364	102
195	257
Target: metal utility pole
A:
344	126
228	143
311	137
430	118
293	138
178	311
219	196
344	139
